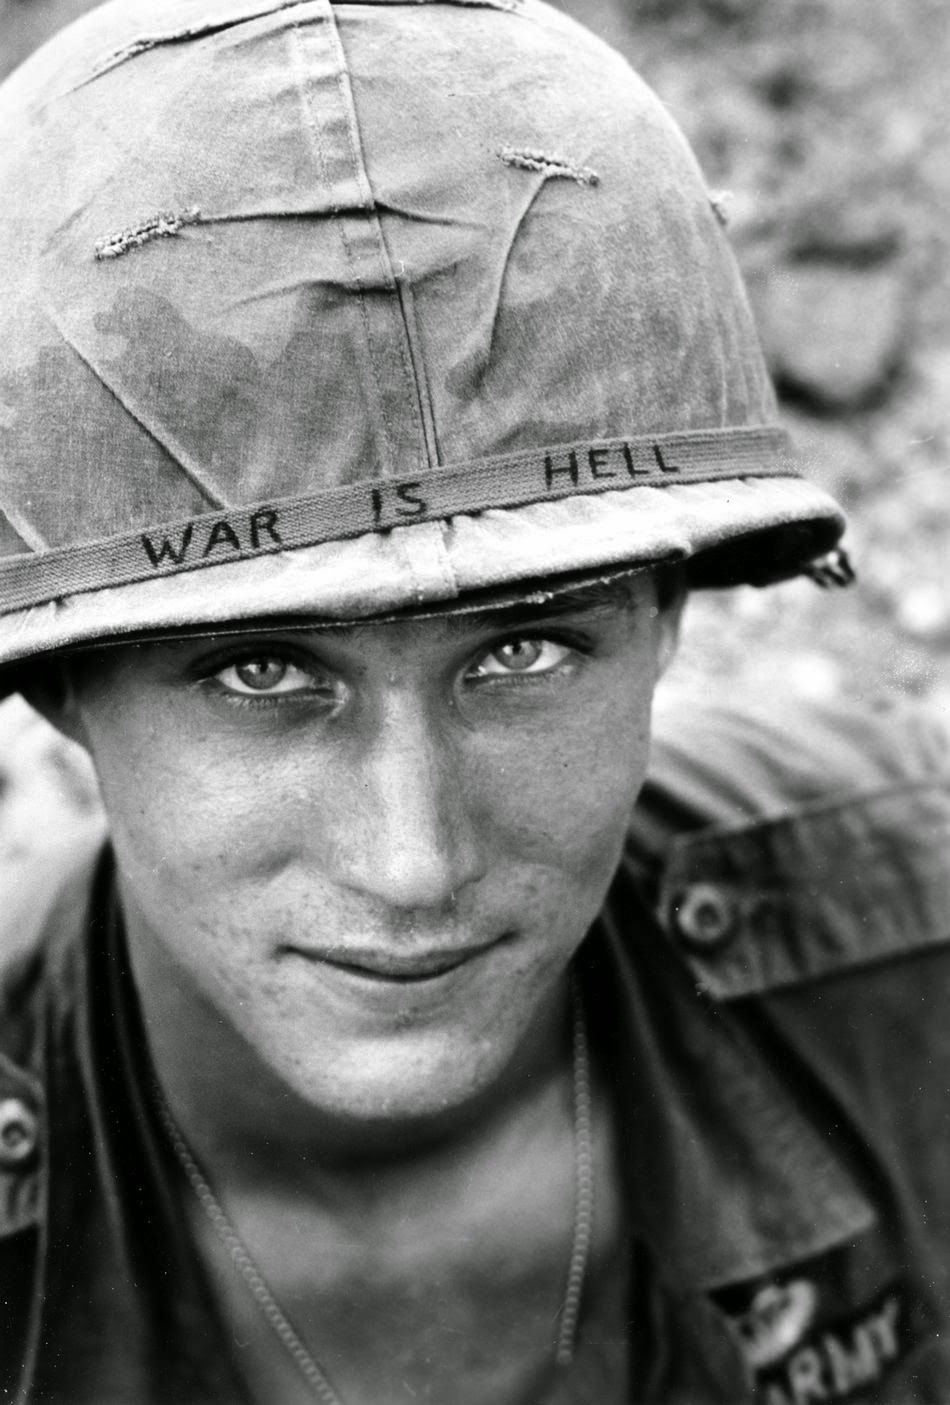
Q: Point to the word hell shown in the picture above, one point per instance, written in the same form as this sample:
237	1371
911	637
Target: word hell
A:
603	461
198	541
836	1364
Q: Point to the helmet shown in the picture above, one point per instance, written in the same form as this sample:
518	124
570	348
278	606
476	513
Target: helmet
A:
323	310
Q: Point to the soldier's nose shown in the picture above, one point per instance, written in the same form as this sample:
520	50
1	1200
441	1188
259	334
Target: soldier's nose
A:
418	844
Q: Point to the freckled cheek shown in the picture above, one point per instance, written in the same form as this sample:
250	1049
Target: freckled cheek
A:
566	803
194	839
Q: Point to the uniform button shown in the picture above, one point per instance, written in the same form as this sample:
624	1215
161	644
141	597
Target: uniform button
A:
705	915
18	1132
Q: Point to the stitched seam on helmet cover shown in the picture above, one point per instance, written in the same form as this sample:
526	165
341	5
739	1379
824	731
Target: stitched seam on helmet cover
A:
360	168
373	242
417	367
314	128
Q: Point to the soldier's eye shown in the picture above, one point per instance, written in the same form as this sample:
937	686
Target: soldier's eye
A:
522	655
266	675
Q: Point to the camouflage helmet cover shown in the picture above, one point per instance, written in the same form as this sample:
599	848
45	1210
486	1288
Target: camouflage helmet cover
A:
329	309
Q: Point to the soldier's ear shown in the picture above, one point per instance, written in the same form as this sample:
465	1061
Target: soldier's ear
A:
50	688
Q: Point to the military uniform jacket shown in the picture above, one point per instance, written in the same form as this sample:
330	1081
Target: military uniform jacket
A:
768	987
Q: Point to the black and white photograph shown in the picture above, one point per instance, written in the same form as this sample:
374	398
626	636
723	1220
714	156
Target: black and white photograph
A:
474	702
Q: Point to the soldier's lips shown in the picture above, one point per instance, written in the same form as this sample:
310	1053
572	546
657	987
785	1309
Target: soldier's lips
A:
399	967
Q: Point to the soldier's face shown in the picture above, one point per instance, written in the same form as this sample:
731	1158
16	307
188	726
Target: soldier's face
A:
374	851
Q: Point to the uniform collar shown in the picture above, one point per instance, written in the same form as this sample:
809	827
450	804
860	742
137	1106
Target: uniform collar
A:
109	1212
725	1173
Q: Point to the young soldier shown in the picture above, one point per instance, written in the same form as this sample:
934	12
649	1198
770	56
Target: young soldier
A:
375	379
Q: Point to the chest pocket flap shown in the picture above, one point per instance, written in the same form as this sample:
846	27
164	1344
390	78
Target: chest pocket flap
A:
789	841
813	894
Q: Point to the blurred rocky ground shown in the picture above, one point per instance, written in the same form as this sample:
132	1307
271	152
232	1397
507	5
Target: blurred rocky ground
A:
50	819
825	122
824	125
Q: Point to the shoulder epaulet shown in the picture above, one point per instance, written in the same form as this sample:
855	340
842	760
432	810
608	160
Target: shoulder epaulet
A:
782	840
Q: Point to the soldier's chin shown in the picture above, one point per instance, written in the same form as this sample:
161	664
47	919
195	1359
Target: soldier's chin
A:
416	1081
